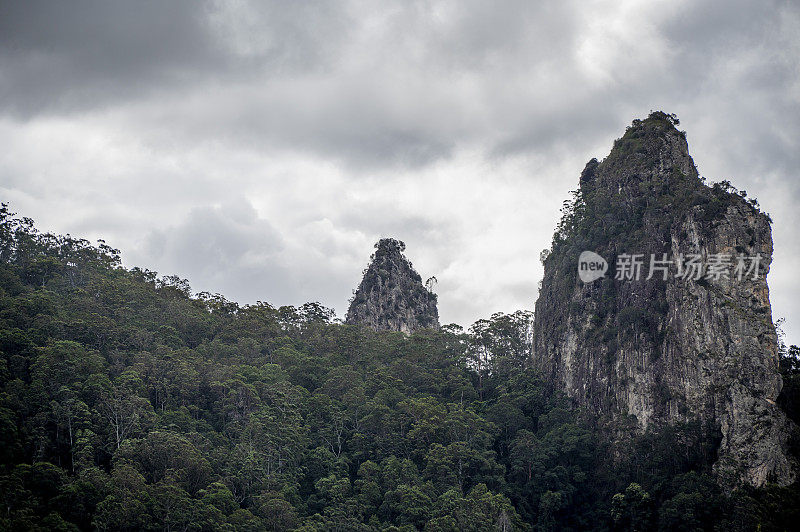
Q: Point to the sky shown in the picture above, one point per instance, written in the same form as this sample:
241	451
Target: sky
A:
260	149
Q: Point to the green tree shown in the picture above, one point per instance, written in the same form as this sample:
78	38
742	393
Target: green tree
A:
632	510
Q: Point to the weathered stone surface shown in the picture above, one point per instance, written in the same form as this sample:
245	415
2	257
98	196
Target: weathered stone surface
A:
669	350
391	295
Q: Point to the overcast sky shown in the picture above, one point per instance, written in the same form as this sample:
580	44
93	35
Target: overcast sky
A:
260	149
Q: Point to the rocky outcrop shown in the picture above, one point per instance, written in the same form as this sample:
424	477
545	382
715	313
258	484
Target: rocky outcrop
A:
391	295
696	340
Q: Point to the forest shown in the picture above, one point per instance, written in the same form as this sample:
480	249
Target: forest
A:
127	402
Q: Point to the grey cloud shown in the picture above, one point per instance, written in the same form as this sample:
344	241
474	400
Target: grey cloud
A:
366	86
316	77
707	26
400	226
59	57
227	245
572	127
231	250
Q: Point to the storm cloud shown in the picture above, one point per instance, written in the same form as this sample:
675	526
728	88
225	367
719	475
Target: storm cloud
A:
259	149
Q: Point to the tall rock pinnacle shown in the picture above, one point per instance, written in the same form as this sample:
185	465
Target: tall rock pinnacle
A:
391	295
695	341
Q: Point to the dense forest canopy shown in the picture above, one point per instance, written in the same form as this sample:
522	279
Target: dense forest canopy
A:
128	403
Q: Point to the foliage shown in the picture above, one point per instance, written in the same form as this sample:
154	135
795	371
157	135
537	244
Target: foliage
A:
126	403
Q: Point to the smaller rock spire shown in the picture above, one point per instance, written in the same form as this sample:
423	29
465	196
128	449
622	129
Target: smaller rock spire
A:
391	296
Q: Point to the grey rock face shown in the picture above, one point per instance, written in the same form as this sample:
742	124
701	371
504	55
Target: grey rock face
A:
391	295
674	350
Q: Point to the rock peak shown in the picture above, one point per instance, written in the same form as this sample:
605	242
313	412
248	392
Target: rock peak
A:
669	349
391	295
649	149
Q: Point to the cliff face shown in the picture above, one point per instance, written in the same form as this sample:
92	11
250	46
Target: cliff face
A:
391	295
698	345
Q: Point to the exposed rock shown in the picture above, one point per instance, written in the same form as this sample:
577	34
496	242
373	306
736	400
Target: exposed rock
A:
391	295
673	350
